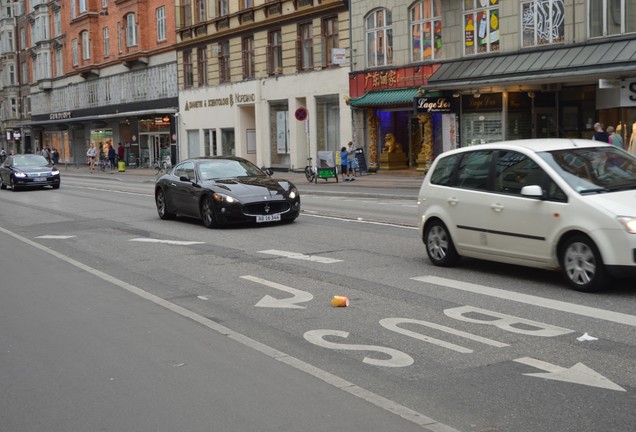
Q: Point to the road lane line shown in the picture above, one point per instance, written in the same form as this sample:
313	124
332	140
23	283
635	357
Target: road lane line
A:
558	305
386	404
296	255
342	219
55	237
171	242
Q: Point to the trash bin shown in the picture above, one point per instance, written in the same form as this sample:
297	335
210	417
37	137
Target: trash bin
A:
121	165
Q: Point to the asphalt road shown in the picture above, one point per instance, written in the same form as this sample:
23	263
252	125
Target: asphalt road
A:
482	347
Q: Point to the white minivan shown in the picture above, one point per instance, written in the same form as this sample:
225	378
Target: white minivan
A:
566	204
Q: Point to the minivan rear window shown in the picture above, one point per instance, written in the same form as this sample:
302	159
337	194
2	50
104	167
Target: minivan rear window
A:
443	173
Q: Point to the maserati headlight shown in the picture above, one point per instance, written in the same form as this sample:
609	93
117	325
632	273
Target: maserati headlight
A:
55	172
224	198
19	174
293	193
629	223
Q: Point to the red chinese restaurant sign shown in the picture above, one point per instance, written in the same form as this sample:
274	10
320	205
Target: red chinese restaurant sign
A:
363	82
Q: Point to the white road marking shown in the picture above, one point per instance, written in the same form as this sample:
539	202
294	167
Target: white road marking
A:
577	374
393	325
171	242
562	306
358	221
388	405
398	358
296	255
109	190
56	237
290	303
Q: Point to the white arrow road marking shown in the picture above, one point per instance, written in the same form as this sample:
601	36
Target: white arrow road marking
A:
290	303
56	237
577	374
172	242
296	255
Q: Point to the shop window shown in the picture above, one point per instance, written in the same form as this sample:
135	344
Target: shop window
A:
542	22
481	26
426	30
611	17
379	40
481	119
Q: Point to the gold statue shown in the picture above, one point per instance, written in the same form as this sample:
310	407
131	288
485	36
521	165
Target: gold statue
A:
390	146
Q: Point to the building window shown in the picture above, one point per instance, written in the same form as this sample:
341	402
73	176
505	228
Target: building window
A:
82	6
186	13
611	17
224	61
57	22
23	39
542	22
246	4
43	66
202	66
106	42
188	77
73	11
11	74
24	73
379	41
75	52
86	45
248	57
481	26
120	37
131	30
199	10
305	47
222	7
59	62
426	30
161	23
330	38
274	52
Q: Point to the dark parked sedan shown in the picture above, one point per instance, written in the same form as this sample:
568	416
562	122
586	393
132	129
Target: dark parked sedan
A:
222	190
28	171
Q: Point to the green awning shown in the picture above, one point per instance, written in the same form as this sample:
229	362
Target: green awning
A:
385	98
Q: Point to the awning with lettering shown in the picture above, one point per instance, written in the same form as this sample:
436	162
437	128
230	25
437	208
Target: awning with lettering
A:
556	64
385	98
99	117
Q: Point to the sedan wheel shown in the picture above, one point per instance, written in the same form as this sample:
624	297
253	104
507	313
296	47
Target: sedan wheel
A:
582	265
162	206
14	188
207	212
439	245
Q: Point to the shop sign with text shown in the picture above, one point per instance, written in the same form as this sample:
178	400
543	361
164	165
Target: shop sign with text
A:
428	104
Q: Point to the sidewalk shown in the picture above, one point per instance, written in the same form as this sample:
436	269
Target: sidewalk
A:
402	184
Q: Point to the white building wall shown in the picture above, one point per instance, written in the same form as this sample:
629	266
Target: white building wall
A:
220	108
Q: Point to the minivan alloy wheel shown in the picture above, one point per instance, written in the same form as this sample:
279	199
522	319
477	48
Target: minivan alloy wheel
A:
582	265
439	245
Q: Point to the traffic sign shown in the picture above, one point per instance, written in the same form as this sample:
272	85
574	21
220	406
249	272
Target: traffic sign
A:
301	114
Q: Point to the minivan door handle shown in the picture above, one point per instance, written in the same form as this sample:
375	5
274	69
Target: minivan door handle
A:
453	201
497	207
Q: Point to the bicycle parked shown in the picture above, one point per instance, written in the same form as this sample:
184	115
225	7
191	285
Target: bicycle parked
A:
310	171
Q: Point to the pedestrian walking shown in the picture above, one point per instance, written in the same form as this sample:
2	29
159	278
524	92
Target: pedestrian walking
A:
614	138
91	154
3	155
112	156
45	152
55	156
351	162
121	152
600	134
343	163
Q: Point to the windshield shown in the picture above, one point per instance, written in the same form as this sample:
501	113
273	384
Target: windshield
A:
227	168
594	169
32	160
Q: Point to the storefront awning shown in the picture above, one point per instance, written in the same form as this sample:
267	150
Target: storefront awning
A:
385	98
99	117
586	62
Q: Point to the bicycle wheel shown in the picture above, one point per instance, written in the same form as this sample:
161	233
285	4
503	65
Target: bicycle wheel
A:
309	173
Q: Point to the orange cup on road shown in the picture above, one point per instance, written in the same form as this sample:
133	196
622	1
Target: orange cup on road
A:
340	301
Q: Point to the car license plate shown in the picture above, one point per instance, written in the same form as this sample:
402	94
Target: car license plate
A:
268	218
39	179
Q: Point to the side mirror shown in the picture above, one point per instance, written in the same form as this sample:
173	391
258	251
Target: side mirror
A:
268	171
532	191
184	179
